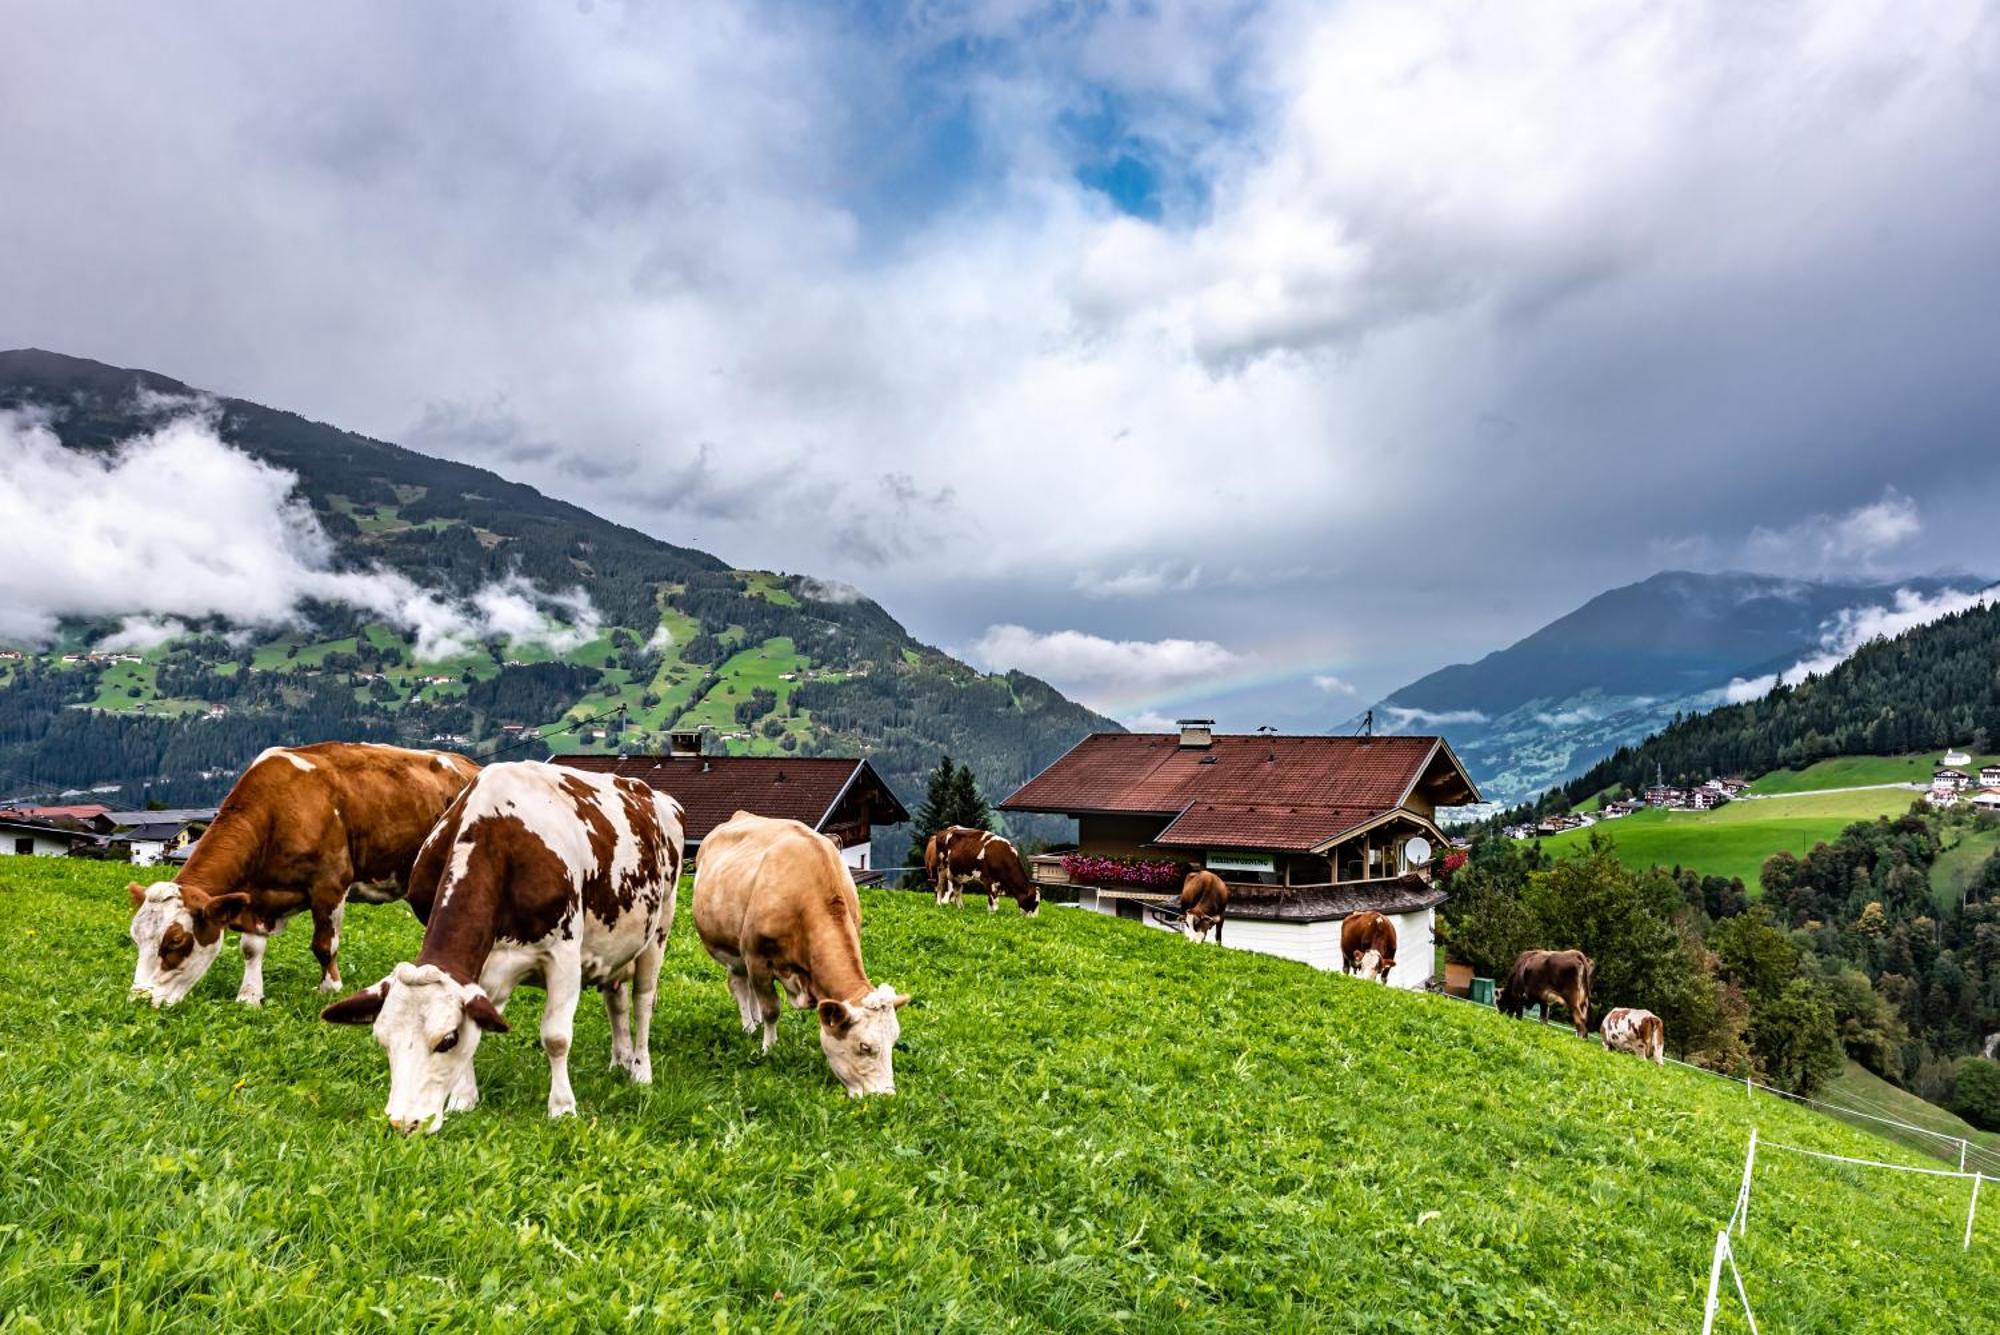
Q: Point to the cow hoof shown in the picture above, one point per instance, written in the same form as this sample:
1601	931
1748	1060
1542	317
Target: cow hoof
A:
561	1108
642	1073
329	985
251	998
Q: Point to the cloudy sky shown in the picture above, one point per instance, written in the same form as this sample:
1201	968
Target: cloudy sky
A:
1249	357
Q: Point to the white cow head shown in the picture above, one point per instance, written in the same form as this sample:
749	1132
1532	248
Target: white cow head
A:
1376	965
176	942
860	1040
426	1021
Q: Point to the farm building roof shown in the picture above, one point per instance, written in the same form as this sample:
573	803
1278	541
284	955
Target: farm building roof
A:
166	816
711	789
1246	790
1315	903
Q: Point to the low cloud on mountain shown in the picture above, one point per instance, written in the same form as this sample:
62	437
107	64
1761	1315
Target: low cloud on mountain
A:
1855	627
175	526
1098	671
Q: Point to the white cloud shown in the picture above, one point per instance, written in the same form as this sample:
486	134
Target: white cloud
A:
176	526
1852	540
661	640
1333	685
1856	627
1401	719
136	634
1096	668
834	591
1139	581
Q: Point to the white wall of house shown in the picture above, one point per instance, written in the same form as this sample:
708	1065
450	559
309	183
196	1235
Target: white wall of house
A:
1314	943
856	856
148	852
32	845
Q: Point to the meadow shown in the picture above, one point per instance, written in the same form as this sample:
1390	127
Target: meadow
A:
1734	840
1856	772
1099	1126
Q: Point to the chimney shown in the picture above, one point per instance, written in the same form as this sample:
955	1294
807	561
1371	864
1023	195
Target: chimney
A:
684	744
1196	733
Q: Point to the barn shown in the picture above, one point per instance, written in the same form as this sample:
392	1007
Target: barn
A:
1306	830
842	798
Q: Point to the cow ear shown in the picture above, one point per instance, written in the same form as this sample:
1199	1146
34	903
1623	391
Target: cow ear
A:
834	1015
485	1014
223	907
138	893
360	1008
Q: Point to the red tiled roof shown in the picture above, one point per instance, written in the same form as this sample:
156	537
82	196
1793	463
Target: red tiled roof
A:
1150	774
1282	829
711	789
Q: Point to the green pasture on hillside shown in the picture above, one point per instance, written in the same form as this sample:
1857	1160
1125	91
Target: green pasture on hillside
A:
1099	1127
1734	840
1861	1089
1857	771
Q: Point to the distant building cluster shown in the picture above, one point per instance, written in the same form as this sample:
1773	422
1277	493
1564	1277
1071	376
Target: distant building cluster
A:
1954	782
1705	796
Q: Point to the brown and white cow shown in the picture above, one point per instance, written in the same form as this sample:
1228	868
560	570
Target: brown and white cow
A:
774	904
1368	945
538	873
959	856
1550	977
301	829
1204	904
1638	1032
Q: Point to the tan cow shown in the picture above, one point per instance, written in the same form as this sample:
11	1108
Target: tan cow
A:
959	856
1204	904
1638	1032
303	827
774	904
1368	945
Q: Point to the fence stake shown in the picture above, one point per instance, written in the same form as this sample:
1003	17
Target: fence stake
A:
1714	1283
1961	1155
1972	1210
1741	1217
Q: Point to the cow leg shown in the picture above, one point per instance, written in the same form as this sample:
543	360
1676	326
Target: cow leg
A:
328	912
1579	1014
645	988
563	979
746	1001
764	994
252	991
618	1010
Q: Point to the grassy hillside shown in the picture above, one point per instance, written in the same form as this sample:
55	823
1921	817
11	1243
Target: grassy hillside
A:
1099	1126
1734	840
1858	1087
1856	772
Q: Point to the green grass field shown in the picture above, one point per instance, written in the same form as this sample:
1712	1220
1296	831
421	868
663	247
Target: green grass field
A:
1099	1127
1734	840
1857	771
1860	1088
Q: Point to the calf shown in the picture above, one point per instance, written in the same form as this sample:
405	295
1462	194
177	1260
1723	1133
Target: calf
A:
774	903
984	861
537	873
1368	944
1204	903
1550	977
1638	1032
303	828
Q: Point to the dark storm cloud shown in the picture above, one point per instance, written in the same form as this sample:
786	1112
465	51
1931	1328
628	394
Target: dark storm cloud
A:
1440	319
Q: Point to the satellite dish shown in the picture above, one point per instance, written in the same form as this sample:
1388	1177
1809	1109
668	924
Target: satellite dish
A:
1418	851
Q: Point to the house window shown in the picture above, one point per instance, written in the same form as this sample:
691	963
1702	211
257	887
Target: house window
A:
24	847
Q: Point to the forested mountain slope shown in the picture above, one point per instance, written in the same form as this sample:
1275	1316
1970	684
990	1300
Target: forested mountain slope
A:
674	638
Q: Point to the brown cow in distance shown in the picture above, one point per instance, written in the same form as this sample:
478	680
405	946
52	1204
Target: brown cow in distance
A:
1550	977
300	829
1204	904
1638	1032
1368	944
958	856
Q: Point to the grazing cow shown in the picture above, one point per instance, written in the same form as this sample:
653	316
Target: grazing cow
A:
1550	977
984	861
1368	944
302	829
1637	1032
1204	902
537	873
774	903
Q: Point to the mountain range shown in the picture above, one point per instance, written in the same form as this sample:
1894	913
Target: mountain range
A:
443	604
1628	662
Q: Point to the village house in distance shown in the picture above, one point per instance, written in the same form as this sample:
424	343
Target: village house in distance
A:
1305	830
841	798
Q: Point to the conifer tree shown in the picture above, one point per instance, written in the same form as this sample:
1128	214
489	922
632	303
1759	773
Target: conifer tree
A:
968	807
935	813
